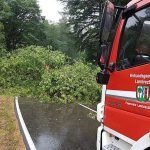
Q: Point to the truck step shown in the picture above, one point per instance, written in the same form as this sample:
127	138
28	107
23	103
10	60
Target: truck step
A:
110	147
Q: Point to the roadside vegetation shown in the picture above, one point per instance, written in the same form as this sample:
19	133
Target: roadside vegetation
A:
48	75
10	137
54	62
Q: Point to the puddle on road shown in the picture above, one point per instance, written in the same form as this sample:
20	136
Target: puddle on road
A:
59	126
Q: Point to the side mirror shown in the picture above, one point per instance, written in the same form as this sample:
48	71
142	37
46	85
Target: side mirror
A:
102	78
100	63
100	60
102	56
107	21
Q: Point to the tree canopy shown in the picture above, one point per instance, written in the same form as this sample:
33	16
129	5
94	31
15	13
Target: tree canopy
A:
23	26
30	59
84	17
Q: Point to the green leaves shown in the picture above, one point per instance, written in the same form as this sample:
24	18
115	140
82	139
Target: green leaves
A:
71	83
48	75
23	26
84	19
60	38
26	66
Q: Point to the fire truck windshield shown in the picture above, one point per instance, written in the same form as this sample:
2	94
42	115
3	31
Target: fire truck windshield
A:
134	46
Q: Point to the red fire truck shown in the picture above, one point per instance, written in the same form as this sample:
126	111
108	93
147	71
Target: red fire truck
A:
124	59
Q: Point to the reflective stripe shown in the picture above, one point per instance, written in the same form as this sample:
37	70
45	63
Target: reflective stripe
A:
125	94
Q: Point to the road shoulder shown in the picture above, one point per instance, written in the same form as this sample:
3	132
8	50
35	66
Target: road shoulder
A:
10	137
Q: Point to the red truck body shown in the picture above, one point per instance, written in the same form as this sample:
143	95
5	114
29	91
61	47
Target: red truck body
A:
127	94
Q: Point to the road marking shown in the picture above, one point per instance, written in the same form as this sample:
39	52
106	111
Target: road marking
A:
24	128
87	107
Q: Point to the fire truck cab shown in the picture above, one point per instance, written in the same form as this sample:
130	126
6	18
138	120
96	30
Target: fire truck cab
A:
124	110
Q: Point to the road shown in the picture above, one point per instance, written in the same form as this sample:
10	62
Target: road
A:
59	126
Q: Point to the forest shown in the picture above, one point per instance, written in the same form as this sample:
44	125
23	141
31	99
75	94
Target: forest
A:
54	62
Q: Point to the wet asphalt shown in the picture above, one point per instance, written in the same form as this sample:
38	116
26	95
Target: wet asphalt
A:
59	126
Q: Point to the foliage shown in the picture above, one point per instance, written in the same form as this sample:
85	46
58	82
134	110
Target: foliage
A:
23	26
4	13
71	82
84	17
44	72
60	37
2	38
48	74
25	67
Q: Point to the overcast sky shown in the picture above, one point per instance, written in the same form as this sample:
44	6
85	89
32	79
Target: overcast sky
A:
51	9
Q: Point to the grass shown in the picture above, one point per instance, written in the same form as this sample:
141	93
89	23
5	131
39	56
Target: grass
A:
10	137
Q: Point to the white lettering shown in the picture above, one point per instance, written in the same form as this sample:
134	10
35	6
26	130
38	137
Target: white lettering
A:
131	104
143	76
142	81
143	106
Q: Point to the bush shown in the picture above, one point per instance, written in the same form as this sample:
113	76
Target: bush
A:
26	66
70	83
48	75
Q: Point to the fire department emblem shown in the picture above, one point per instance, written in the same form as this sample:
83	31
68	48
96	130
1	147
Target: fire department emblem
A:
143	93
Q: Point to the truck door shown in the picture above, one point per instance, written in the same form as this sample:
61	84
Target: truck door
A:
127	109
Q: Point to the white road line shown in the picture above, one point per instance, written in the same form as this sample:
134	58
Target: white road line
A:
87	107
24	128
